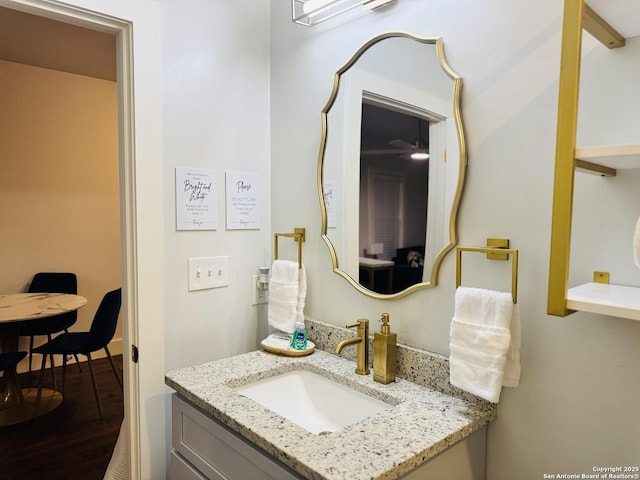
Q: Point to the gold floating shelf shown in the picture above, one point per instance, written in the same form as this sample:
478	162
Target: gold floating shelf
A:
600	29
604	161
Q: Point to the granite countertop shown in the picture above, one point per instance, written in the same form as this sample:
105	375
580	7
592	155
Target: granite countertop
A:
422	424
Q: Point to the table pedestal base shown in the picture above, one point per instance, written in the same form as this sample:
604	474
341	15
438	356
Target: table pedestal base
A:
21	413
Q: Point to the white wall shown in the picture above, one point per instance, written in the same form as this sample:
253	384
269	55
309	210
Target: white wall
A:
215	115
573	408
201	99
215	84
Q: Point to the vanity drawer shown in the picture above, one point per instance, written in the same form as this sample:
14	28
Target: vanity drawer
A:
183	470
217	452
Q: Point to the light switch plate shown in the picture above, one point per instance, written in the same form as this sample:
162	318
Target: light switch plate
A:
208	272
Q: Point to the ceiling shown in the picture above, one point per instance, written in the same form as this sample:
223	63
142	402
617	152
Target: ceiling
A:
42	42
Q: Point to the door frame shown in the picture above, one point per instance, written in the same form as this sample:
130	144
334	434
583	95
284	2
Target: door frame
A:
123	30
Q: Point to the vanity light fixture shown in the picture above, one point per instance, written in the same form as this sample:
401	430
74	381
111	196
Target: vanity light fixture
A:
312	12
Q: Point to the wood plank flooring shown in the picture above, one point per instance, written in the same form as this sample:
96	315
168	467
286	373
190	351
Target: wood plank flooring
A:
70	442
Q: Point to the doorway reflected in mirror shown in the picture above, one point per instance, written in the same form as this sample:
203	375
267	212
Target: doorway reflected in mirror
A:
394	180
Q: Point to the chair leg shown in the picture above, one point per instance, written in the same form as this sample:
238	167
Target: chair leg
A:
30	352
40	383
78	362
64	372
113	366
53	366
95	386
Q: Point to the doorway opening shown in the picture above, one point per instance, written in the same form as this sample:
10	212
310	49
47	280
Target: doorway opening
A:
46	13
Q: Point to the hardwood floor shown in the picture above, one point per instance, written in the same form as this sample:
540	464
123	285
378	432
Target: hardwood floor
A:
70	442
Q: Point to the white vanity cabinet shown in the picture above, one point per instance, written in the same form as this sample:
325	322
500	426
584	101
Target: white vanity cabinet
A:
205	449
605	160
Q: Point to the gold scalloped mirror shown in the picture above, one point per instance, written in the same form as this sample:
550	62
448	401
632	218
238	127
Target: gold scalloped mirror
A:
392	164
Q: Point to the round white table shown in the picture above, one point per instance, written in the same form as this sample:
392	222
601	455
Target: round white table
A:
16	308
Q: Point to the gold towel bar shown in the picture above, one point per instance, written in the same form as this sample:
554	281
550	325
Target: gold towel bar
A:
298	235
489	251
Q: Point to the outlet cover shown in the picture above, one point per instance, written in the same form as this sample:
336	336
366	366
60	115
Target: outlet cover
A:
208	272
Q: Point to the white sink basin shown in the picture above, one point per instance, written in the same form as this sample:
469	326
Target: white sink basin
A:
316	403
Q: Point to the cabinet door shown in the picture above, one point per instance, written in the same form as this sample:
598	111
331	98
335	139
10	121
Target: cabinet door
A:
218	452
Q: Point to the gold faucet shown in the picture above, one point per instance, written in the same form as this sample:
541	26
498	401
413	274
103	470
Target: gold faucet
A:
362	339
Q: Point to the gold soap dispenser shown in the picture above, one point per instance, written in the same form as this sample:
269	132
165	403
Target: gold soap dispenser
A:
384	353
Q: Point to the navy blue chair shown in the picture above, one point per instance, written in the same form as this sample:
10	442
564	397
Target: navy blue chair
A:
97	338
50	282
8	366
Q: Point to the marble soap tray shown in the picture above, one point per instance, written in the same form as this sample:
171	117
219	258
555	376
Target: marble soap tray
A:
281	346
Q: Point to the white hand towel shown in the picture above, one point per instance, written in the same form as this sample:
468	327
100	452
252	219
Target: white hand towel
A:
485	307
481	340
477	359
283	295
636	244
512	366
302	293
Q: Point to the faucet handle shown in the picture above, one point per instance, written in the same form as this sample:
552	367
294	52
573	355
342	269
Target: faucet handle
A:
360	322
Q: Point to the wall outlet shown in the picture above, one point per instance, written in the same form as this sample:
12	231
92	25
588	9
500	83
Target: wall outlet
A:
259	296
208	272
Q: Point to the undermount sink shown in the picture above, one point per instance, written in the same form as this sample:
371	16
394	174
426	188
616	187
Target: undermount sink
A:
312	401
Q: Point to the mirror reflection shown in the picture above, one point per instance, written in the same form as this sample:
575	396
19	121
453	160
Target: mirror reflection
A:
391	165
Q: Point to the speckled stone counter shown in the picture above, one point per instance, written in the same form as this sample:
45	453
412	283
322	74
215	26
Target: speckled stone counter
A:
417	365
423	422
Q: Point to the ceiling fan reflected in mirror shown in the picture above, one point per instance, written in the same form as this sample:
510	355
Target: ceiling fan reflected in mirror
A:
393	133
404	149
417	151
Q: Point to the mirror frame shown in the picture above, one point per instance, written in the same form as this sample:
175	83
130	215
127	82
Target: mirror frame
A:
453	236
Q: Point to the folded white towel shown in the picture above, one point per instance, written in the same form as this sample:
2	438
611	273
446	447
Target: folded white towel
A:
477	358
485	307
285	304
636	244
512	366
481	340
302	293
